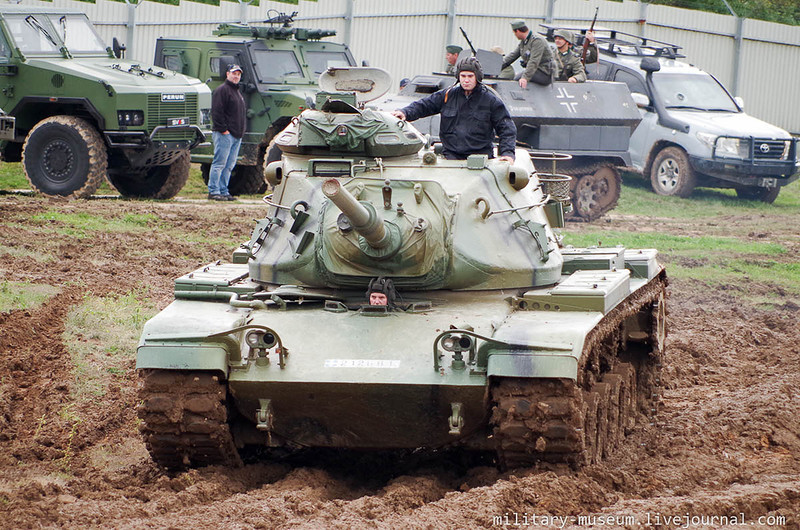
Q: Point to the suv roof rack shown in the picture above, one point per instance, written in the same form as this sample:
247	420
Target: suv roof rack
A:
613	42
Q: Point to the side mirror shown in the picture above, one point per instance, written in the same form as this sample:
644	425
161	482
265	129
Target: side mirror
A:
739	101
641	100
118	49
650	64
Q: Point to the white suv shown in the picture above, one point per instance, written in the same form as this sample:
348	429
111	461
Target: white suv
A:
693	132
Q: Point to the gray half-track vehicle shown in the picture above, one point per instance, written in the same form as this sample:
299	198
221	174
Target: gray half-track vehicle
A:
280	66
392	299
82	114
693	131
592	122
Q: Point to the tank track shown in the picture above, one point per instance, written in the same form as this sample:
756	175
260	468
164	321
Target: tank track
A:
581	422
184	420
588	209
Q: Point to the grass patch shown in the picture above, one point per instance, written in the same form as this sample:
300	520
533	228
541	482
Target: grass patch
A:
679	245
637	198
24	295
102	334
80	224
12	177
24	253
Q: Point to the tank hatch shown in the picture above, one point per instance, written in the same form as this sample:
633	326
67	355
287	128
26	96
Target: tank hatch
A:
339	124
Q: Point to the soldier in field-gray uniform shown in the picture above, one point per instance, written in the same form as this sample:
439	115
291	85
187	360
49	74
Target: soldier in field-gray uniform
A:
567	59
534	54
451	56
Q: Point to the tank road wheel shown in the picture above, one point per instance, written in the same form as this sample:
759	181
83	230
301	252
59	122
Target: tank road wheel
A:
671	174
752	193
596	193
158	182
577	423
66	156
184	420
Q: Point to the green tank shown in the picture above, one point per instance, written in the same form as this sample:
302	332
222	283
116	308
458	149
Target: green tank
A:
392	299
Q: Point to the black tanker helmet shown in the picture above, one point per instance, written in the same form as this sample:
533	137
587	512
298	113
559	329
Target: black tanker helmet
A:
470	64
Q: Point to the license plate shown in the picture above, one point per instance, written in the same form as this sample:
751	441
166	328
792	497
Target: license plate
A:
172	122
769	182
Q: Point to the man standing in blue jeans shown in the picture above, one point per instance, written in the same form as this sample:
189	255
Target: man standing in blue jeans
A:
228	122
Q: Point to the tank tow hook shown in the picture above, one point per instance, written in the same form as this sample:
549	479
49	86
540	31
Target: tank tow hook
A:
456	420
264	417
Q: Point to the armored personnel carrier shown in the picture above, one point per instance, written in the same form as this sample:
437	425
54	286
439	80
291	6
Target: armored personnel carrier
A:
280	66
83	114
591	121
392	299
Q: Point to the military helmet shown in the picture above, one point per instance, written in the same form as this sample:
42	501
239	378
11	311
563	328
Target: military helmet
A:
564	34
470	64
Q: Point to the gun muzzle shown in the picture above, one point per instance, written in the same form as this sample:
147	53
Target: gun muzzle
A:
362	215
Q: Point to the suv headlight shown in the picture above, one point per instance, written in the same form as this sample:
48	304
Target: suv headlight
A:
724	146
205	116
130	117
732	147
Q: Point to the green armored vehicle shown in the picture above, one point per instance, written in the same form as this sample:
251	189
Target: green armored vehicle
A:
83	114
280	65
392	299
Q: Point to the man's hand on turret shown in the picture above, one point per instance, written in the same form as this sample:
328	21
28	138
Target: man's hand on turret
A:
506	158
399	114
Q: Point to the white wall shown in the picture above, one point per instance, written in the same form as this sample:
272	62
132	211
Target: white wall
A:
407	37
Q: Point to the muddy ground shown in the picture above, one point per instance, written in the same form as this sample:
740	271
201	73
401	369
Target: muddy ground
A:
725	442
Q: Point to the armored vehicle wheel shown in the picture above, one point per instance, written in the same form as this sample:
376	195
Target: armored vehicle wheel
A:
595	191
672	174
184	419
767	195
159	182
578	423
66	156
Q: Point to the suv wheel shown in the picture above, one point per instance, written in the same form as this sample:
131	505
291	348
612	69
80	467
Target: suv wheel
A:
65	156
671	174
752	193
159	182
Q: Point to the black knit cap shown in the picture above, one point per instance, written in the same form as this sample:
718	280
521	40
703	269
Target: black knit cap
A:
470	64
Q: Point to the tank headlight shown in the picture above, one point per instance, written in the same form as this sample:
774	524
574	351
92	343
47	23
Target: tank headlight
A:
127	118
260	339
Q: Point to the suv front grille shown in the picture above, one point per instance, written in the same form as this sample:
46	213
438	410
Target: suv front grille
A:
158	112
768	149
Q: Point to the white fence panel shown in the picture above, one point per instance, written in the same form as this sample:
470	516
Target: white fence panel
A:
408	37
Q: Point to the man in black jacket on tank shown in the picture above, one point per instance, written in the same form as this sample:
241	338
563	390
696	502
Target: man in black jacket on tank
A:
471	114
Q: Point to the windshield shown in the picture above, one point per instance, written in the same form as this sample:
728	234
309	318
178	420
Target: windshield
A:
272	66
33	34
693	91
78	34
321	61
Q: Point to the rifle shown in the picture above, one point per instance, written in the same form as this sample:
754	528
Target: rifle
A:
585	43
474	53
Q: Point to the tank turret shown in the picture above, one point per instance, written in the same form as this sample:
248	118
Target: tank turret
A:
403	301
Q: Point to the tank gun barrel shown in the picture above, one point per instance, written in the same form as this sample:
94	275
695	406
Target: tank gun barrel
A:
362	215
